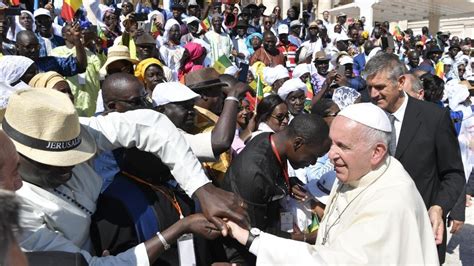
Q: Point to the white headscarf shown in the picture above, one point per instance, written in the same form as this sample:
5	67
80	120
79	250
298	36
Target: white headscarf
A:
11	35
300	70
156	13
290	86
170	23
12	68
272	74
103	9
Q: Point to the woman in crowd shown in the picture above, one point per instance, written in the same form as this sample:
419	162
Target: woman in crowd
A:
150	72
110	28
272	115
193	59
253	42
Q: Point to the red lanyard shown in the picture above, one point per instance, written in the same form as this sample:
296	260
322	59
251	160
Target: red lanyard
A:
284	166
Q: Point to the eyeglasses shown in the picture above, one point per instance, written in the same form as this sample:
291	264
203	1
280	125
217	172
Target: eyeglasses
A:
142	100
281	117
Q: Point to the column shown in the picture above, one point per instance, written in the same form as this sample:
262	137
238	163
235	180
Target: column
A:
323	5
366	10
285	5
270	4
433	23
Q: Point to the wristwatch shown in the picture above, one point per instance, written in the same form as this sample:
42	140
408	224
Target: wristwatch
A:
254	233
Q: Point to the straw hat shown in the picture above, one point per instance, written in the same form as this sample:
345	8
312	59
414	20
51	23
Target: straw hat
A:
115	53
44	126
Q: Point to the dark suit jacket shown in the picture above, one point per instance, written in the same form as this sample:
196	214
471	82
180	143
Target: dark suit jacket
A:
359	64
429	150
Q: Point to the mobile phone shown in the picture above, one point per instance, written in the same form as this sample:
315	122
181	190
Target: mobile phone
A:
244	70
341	70
12	11
141	17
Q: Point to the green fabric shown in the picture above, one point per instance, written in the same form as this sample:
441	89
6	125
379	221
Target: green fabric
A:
85	94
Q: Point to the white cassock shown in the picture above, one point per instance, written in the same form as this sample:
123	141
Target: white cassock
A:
379	219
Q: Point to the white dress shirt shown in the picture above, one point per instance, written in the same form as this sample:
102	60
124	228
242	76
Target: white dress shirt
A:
52	221
399	114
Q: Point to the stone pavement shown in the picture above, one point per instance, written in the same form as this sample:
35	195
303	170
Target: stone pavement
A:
460	249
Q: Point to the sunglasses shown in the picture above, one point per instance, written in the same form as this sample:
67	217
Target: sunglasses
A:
281	117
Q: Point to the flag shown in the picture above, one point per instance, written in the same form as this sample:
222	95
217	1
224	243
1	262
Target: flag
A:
309	96
439	69
69	9
314	224
397	33
15	2
221	64
102	37
206	24
259	92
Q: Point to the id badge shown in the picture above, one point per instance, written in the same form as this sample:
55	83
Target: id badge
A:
286	222
81	78
186	250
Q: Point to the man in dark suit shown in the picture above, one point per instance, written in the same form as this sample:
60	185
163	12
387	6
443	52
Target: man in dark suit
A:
423	140
360	59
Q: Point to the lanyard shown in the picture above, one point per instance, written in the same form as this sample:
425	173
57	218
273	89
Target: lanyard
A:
284	166
157	188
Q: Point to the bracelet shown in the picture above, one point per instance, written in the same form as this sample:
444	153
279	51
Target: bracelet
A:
232	98
163	241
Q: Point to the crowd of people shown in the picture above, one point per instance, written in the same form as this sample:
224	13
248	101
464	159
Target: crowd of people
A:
229	134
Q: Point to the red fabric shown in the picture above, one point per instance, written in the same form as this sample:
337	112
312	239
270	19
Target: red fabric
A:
195	51
67	13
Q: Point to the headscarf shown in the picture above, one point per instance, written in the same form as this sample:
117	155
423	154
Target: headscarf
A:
104	9
195	51
290	86
46	80
13	67
455	71
143	65
18	27
248	41
300	70
156	13
272	74
169	24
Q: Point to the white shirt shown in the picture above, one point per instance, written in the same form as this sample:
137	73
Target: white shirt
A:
52	222
383	221
399	115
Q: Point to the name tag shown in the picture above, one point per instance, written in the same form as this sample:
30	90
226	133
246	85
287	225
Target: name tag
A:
286	222
81	78
186	250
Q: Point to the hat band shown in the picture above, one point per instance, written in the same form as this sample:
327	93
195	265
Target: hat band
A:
205	83
40	144
322	188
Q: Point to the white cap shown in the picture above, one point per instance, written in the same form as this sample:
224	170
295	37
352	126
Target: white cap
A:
191	19
321	188
42	12
340	37
300	70
172	92
369	115
295	23
290	86
346	60
283	29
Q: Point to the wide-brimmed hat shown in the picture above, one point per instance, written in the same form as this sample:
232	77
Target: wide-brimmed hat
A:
321	56
44	126
203	78
116	53
321	188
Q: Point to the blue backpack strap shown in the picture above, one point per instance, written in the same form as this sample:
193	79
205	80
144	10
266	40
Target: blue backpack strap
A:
138	207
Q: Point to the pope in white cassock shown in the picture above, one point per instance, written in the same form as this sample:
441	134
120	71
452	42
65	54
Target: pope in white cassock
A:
375	214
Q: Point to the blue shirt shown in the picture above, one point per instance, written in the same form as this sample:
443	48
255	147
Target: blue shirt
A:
65	66
55	42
